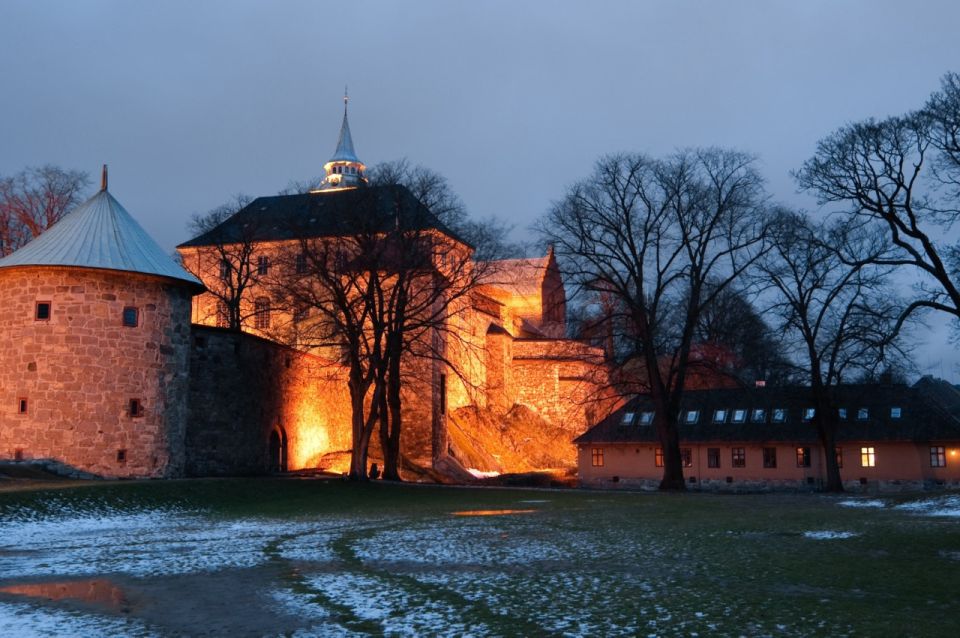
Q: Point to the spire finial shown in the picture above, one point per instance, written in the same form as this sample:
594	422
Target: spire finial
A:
346	98
103	178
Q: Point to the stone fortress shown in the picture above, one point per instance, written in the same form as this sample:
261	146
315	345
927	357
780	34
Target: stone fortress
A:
114	361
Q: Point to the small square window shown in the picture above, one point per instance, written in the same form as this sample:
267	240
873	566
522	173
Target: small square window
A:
43	311
136	408
842	413
739	416
627	418
131	317
895	413
779	415
692	416
759	415
809	413
863	414
646	418
719	416
22	405
121	456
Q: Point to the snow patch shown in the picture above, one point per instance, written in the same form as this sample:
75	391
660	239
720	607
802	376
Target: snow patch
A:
482	473
826	534
944	506
29	621
864	503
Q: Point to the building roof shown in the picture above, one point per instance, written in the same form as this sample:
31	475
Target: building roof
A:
99	233
922	416
336	213
345	152
520	277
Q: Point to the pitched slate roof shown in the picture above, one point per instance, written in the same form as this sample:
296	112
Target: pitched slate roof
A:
324	214
99	233
922	417
345	152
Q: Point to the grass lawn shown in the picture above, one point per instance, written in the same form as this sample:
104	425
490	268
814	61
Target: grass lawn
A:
275	557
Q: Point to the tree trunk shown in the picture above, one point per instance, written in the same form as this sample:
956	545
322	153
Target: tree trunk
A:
390	438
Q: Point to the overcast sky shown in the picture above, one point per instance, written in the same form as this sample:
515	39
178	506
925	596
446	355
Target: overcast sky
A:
191	102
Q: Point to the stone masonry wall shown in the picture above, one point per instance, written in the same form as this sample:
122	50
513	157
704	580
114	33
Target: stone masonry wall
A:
79	370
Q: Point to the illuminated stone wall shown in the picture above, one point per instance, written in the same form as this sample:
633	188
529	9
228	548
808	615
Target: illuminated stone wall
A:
79	370
243	388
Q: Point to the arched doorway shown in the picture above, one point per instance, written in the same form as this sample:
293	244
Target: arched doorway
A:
277	450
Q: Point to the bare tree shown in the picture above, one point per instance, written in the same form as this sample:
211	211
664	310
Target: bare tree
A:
835	308
227	262
903	174
662	239
34	199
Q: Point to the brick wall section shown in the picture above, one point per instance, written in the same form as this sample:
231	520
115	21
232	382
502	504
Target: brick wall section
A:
243	387
79	369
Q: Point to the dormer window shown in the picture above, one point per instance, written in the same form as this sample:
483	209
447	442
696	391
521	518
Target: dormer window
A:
719	416
863	414
894	413
809	413
646	418
779	415
627	418
842	413
759	415
692	416
739	416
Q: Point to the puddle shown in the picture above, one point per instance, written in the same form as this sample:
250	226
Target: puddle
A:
97	591
491	512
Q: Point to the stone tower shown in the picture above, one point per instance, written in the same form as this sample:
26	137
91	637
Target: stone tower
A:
94	359
344	169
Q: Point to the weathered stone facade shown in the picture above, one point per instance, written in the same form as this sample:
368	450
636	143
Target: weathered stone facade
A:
67	382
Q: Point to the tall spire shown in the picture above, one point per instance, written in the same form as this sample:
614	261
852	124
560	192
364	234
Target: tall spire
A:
344	169
103	178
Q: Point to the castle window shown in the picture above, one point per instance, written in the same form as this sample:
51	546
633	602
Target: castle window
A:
868	457
596	457
759	415
658	457
22	405
646	418
43	311
301	264
686	457
803	457
938	456
263	265
895	413
713	457
738	457
261	313
131	317
225	269
769	457
135	408
121	456
739	416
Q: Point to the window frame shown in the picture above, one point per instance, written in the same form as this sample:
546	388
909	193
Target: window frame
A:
938	456
763	415
743	415
136	317
628	418
658	457
687	417
135	408
770	458
738	457
809	414
36	310
713	457
868	456
896	412
596	457
720	415
863	414
778	415
261	313
803	456
23	405
263	265
686	457
646	418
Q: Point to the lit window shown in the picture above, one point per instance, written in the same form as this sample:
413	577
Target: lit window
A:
863	414
43	311
263	265
301	265
596	457
135	408
938	456
738	457
22	405
769	457
713	457
809	413
803	457
894	413
868	457
759	415
686	457
658	457
739	416
779	415
261	312
627	418
719	416
842	413
692	416
646	418
131	317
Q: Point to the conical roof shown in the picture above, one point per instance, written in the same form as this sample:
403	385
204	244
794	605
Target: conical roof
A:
345	152
99	233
